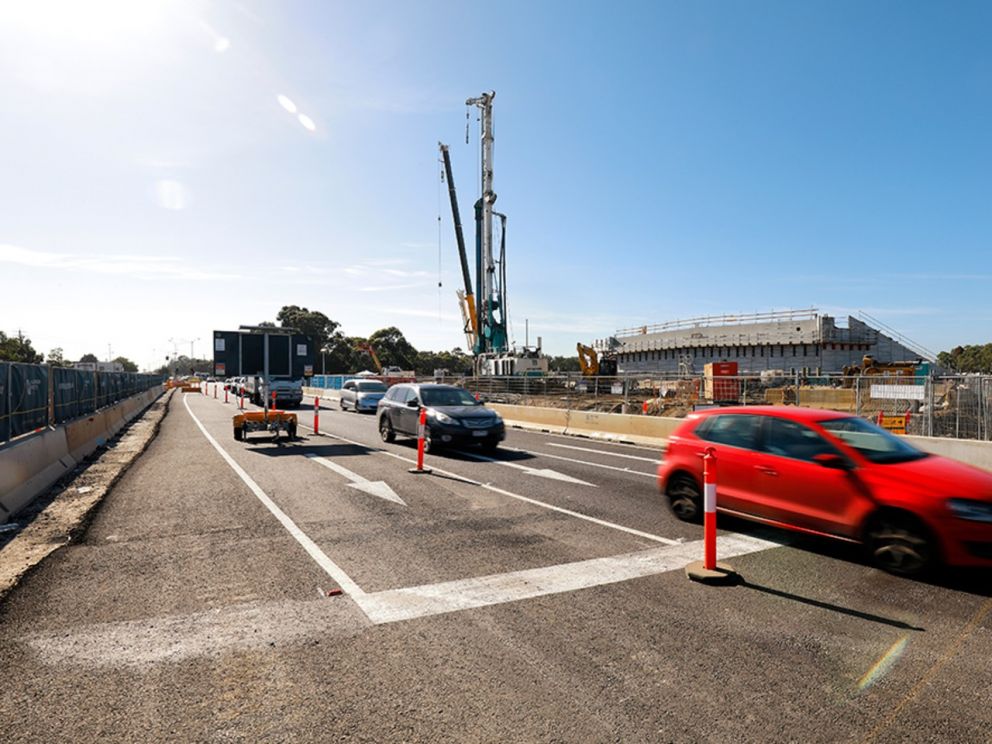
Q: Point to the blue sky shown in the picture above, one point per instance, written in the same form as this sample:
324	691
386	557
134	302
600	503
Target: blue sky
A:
656	160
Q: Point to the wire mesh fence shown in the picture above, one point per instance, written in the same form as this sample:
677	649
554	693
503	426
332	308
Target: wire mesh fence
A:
957	406
34	396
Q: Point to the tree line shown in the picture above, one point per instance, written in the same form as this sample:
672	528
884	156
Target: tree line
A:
971	358
19	349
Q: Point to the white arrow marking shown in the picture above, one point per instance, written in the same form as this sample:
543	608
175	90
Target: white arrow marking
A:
374	488
542	472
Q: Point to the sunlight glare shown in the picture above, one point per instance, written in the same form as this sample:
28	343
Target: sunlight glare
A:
92	20
307	123
286	103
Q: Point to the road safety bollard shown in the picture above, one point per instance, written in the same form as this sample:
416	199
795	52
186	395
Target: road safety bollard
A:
225	394
708	571
273	399
241	400
709	510
421	436
215	391
316	415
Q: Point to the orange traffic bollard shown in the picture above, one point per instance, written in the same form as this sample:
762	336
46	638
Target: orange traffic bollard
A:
421	436
316	415
708	571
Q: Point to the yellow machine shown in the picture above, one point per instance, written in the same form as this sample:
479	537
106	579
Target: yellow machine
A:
869	366
592	364
271	420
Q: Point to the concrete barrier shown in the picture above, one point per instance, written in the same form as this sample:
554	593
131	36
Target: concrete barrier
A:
31	465
27	468
970	451
653	430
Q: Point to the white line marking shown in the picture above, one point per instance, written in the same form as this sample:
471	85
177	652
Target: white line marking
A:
510	494
451	596
604	452
330	567
375	488
584	462
542	472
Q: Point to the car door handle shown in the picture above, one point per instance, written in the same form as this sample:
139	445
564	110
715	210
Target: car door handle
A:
766	470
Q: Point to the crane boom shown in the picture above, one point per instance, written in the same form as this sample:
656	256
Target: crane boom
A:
466	298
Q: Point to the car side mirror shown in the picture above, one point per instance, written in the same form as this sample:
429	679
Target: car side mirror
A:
413	404
832	460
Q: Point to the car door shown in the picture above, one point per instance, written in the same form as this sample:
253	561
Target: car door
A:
793	487
735	439
405	418
347	394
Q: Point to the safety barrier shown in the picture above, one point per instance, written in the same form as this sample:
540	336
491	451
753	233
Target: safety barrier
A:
30	465
642	429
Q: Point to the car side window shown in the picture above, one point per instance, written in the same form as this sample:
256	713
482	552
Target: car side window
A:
735	430
349	386
790	439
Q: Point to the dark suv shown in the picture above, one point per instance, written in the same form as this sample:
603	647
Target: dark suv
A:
453	416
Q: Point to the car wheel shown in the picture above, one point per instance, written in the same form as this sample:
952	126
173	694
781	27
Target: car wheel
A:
291	432
239	434
430	446
685	498
341	403
900	544
386	430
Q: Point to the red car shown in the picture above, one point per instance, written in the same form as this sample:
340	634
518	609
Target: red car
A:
835	475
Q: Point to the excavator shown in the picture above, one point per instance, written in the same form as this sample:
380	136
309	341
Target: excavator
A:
592	364
389	375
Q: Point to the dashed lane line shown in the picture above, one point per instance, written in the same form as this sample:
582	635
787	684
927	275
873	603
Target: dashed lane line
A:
509	494
604	452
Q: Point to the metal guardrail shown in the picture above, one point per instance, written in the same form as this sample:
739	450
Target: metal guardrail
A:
35	396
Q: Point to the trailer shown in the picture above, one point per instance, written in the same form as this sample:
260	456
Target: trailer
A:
274	360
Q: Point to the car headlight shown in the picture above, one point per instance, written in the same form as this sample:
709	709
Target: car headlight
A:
441	416
497	419
975	511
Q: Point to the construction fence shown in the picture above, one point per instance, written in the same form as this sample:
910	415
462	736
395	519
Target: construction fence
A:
33	396
938	406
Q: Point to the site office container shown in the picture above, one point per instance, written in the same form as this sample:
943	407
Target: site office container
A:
721	383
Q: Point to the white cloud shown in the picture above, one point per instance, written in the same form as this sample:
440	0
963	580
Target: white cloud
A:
132	265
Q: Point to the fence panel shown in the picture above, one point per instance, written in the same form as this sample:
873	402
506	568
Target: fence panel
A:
29	398
4	401
66	389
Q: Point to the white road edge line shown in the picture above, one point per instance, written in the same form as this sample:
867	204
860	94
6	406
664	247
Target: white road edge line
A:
604	452
319	556
510	494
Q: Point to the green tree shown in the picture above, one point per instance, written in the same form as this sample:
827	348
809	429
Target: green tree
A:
88	358
392	348
563	364
56	358
971	358
18	349
128	365
310	322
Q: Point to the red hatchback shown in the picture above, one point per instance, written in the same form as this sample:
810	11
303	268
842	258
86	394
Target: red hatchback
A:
836	475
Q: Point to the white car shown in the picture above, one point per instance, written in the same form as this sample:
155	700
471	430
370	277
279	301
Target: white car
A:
361	395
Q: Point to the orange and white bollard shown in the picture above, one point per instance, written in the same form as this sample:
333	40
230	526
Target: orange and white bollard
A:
273	399
421	437
241	400
708	571
215	391
316	415
709	510
225	395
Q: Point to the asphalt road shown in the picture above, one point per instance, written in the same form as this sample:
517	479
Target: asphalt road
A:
533	596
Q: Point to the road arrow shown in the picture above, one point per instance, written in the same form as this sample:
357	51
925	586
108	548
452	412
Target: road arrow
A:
374	488
542	472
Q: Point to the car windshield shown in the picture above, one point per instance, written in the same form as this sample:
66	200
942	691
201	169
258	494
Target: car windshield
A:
872	441
371	387
447	397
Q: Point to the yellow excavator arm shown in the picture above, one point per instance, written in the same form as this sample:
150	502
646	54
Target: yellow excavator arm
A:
588	360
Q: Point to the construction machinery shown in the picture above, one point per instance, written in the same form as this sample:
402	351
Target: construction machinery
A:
391	374
484	313
870	366
592	363
266	355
